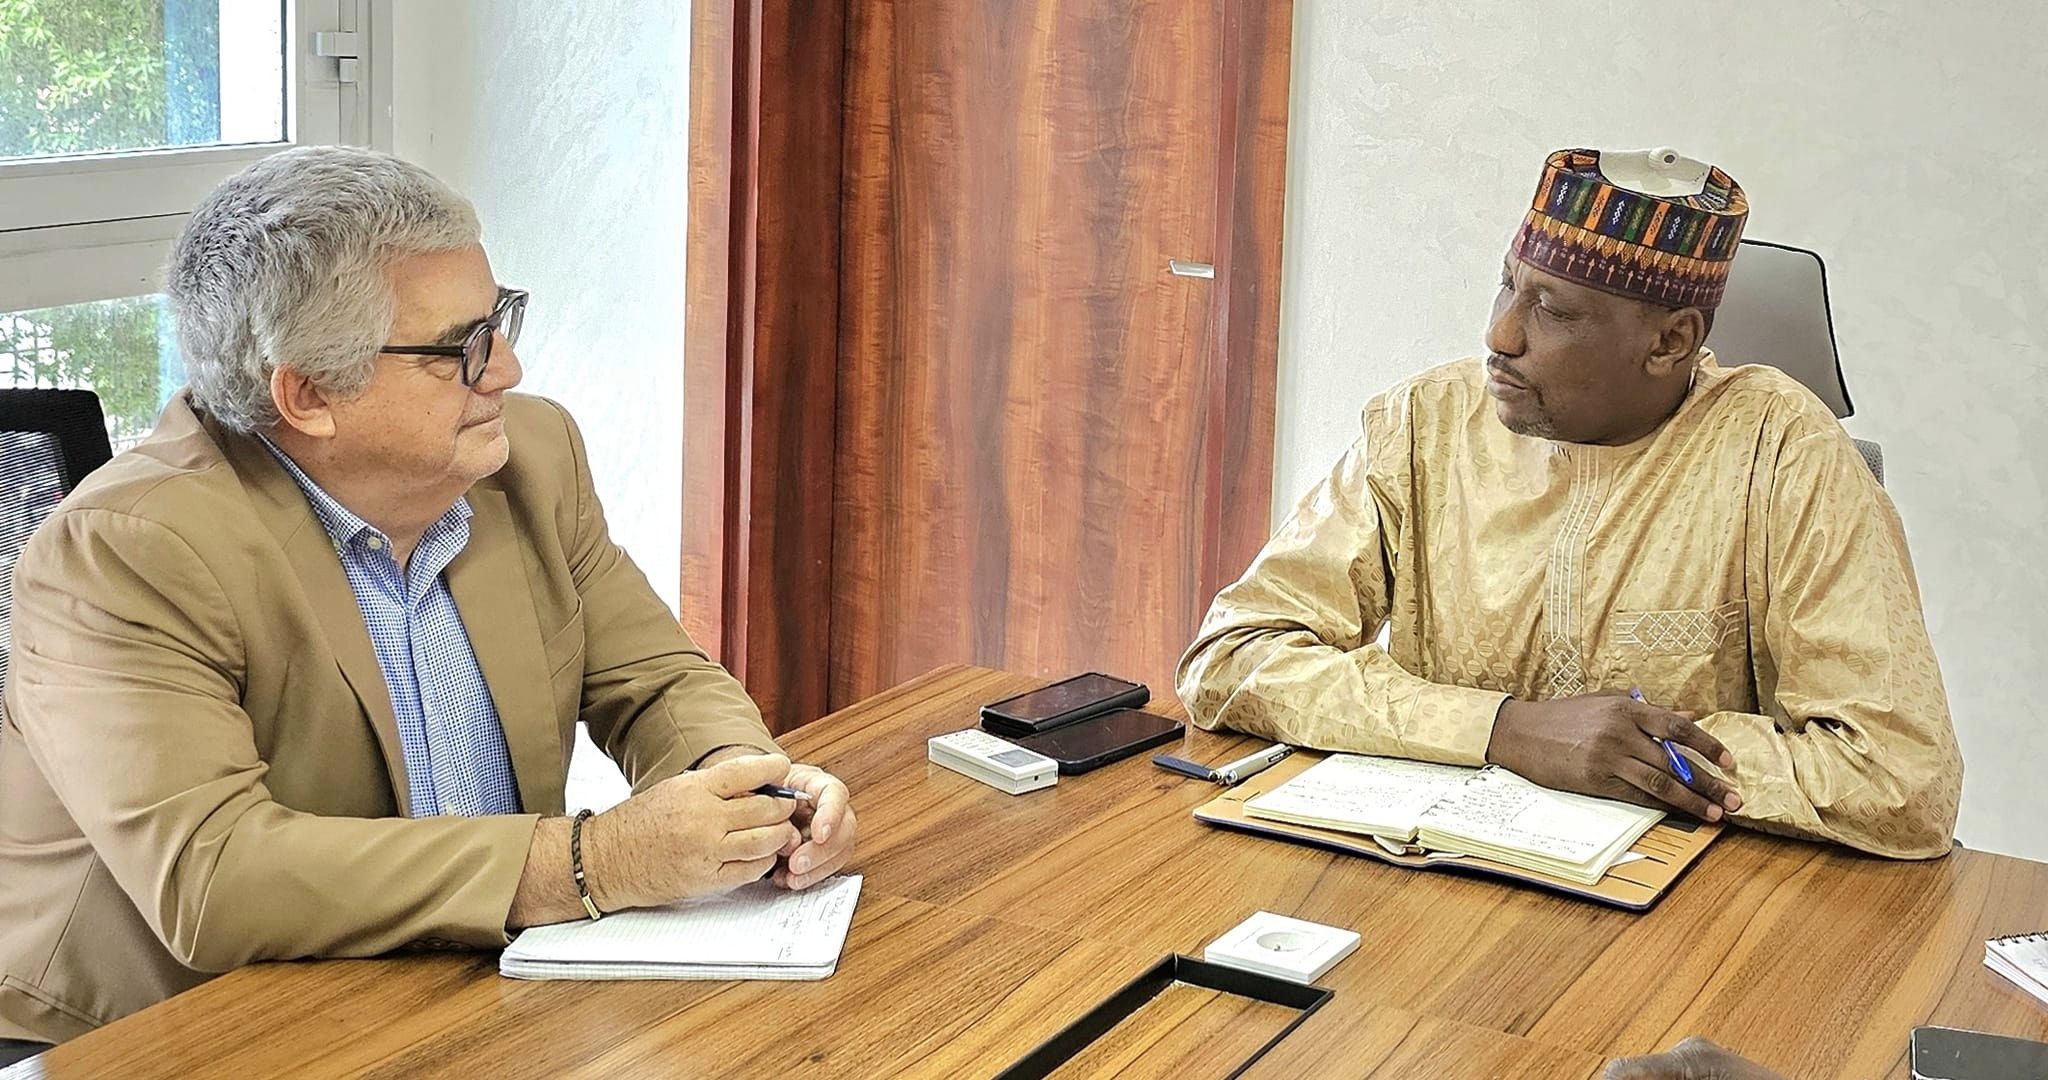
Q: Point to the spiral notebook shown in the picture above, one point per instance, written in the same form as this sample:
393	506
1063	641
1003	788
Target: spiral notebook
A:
753	932
2022	958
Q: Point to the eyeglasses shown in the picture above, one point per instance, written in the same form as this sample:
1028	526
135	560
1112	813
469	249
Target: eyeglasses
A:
475	350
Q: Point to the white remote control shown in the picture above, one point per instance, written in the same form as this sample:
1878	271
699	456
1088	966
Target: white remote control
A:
1000	764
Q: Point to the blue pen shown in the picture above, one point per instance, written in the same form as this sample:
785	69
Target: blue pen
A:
1678	764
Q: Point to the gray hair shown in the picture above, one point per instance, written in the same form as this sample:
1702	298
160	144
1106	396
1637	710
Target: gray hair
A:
284	266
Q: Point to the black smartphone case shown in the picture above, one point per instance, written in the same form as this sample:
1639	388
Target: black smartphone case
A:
996	721
1072	766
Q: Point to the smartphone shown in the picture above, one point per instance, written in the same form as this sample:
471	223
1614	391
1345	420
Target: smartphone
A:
1099	740
1941	1053
1063	702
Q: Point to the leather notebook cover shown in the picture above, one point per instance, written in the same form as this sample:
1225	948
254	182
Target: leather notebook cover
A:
1667	849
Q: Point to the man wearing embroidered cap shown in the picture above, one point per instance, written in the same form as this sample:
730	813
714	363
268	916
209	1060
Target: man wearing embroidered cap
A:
1600	506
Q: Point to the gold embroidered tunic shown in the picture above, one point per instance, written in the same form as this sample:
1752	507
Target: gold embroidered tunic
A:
1740	562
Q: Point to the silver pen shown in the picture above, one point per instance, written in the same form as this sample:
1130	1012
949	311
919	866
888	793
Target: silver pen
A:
1249	764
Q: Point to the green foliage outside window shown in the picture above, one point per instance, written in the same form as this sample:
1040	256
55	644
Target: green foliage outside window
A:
109	347
94	76
88	76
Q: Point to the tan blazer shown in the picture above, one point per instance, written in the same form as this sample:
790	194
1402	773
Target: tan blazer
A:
200	767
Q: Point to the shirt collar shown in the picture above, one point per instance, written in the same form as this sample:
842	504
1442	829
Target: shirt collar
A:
343	525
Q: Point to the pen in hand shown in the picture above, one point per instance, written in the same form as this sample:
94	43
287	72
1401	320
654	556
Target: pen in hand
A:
1678	763
780	792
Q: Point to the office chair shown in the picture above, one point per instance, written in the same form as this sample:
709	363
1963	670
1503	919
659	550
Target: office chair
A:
1776	312
49	440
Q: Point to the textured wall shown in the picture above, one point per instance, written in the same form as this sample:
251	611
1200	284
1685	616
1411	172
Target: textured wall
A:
568	124
1898	140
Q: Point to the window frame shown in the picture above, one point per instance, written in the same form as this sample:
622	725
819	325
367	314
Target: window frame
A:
89	227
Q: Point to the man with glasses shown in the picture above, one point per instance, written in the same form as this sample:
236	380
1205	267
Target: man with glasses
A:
299	675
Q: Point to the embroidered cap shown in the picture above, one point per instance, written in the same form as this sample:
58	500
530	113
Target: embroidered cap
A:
1670	250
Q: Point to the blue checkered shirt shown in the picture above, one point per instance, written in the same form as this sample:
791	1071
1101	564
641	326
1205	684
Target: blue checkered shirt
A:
455	756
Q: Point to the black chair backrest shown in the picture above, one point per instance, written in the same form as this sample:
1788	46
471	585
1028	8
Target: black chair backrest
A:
72	417
49	441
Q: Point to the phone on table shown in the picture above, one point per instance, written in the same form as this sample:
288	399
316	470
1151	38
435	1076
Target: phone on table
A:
1099	740
1941	1053
1061	703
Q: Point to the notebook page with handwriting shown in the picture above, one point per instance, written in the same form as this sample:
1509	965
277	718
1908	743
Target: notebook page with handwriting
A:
1502	816
1362	794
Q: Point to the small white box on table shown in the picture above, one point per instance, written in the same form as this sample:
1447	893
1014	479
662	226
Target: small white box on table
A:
1283	947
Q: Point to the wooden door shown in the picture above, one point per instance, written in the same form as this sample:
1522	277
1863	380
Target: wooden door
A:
1027	442
1023	477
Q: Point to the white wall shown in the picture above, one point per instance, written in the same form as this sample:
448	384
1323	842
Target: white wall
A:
1899	140
568	124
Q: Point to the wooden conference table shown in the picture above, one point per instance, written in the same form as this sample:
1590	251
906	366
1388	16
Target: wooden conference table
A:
988	922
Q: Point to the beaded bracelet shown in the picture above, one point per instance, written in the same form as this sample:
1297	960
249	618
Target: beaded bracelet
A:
576	864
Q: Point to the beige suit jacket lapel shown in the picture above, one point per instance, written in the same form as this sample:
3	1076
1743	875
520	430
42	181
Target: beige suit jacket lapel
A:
283	507
489	583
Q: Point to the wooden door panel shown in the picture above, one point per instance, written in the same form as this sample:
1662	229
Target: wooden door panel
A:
1022	477
945	402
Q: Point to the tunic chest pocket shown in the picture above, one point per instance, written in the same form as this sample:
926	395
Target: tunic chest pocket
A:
1694	658
1677	632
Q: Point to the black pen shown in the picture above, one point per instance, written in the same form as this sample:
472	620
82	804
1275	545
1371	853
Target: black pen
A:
1184	767
780	792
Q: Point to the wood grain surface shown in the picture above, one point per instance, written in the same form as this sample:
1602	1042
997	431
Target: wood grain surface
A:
989	921
779	629
718	90
944	401
1051	447
1244	334
761	378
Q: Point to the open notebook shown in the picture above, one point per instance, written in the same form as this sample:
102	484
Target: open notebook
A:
1635	881
1490	813
753	932
2022	958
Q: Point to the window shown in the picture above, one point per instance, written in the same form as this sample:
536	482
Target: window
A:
121	349
116	118
106	76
